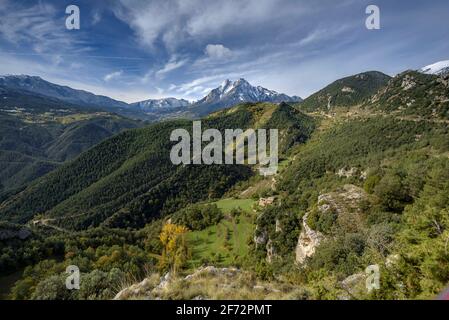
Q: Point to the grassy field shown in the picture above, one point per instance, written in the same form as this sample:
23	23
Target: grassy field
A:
225	243
222	244
226	205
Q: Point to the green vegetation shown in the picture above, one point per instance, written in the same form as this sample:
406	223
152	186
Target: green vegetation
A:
413	94
346	92
401	165
198	217
222	244
116	184
227	205
373	184
38	134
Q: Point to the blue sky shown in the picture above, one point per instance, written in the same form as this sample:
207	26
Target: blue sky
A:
133	50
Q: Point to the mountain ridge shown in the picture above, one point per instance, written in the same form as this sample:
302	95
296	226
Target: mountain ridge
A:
346	92
225	96
231	93
64	93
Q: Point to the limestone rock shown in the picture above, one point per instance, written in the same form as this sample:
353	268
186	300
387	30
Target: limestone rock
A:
263	202
354	286
308	241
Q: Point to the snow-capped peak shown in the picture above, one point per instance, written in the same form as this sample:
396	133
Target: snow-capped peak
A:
159	104
226	87
230	93
438	68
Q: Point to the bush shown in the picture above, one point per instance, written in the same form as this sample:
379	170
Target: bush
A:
198	217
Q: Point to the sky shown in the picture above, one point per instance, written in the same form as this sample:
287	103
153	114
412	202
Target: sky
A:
133	50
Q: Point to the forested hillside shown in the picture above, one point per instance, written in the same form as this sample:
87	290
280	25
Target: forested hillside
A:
38	133
129	179
346	92
412	93
363	185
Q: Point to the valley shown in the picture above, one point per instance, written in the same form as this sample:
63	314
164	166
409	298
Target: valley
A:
39	133
362	181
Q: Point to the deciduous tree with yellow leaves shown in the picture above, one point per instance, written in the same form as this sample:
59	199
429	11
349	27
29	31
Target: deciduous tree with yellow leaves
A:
175	251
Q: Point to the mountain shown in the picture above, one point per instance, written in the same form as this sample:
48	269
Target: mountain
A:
40	86
413	93
129	179
346	92
227	95
355	189
158	105
438	68
63	95
38	133
232	93
163	109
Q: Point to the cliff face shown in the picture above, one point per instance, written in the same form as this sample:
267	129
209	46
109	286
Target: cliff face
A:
308	241
345	202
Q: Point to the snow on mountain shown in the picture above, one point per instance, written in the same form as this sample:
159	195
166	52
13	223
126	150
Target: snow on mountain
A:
154	105
228	94
438	68
40	86
231	93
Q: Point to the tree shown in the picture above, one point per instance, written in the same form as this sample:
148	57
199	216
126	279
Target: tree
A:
175	251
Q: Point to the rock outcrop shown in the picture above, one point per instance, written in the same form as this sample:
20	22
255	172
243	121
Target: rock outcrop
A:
263	202
150	289
308	241
353	286
345	203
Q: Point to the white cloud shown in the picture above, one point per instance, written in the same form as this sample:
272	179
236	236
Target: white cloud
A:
217	51
176	22
113	75
39	25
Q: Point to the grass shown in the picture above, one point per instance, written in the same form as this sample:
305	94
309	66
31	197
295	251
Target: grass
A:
225	243
222	244
240	286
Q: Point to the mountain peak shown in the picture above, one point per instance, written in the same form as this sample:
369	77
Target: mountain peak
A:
242	81
230	93
346	92
225	83
437	68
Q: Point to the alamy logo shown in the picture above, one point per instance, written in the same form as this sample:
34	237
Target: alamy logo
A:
372	277
373	20
72	22
72	282
191	152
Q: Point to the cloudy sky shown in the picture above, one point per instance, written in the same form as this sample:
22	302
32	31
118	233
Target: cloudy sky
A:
133	50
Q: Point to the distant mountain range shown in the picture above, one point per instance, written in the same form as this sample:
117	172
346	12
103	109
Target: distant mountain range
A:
227	95
154	105
40	86
127	180
347	91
